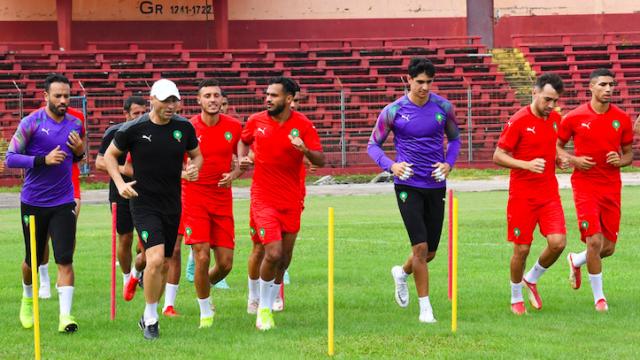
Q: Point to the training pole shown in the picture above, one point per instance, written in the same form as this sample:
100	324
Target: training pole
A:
330	285
282	293
450	244
34	283
454	268
114	211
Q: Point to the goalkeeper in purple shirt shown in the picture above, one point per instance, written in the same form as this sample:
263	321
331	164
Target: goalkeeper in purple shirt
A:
46	144
419	121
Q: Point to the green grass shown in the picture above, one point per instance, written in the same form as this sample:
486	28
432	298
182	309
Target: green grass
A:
369	240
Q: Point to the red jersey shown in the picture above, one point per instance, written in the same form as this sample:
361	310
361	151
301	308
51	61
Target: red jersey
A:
75	168
595	135
277	173
528	137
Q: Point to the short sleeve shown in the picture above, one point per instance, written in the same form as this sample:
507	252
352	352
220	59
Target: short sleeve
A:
106	141
312	139
247	132
565	131
192	140
121	138
627	131
509	137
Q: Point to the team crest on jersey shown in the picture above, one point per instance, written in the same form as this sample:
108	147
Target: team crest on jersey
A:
616	124
555	126
144	235
516	232
228	136
439	118
295	132
403	196
177	134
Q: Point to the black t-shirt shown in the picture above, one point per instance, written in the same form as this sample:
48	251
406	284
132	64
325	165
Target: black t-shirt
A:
114	196
157	153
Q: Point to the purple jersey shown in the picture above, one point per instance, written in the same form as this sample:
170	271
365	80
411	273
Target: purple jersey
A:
418	136
36	136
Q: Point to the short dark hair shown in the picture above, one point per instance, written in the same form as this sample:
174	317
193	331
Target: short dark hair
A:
552	79
601	72
54	77
208	82
223	93
289	85
418	66
138	100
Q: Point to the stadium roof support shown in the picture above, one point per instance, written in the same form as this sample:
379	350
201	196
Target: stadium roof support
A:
221	22
63	12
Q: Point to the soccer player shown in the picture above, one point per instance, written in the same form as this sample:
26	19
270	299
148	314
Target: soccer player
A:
157	142
224	107
527	147
602	137
46	144
134	107
281	138
419	122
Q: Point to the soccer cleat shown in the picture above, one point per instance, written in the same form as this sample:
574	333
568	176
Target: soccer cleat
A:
427	317
45	290
518	308
170	311
264	320
130	289
222	284
575	277
601	305
26	312
252	306
191	269
285	279
206	322
402	291
150	332
67	324
278	304
534	297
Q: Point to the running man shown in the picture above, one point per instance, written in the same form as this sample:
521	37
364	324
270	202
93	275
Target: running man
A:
602	137
134	107
281	138
157	142
419	122
527	147
46	144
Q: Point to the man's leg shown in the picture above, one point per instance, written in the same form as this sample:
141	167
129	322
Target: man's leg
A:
268	289
555	245
288	242
173	280
202	258
255	259
223	265
154	280
518	262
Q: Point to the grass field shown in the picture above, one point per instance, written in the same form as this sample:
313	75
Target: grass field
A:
369	240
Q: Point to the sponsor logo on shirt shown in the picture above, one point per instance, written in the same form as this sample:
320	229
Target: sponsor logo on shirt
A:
532	129
586	125
262	130
44	130
555	126
406	117
147	137
228	136
200	138
177	134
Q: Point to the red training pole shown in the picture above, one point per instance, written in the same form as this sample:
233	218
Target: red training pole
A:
450	267
113	260
282	293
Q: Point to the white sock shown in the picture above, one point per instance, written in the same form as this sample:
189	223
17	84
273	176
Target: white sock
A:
579	259
254	289
205	307
27	290
425	304
43	270
275	292
534	274
404	275
65	296
596	286
125	278
266	294
151	314
190	254
136	274
516	293
170	292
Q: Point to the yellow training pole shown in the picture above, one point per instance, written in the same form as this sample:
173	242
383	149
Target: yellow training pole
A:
34	283
330	287
454	272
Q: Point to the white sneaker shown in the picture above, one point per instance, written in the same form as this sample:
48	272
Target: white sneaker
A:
252	306
278	305
402	290
427	317
45	291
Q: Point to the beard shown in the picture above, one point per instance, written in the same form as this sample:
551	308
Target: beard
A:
58	110
276	110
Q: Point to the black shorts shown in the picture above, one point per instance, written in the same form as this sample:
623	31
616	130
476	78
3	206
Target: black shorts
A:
57	221
124	221
155	228
422	211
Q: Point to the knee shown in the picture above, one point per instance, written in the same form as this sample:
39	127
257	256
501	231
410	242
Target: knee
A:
594	243
557	245
521	251
421	251
608	250
226	265
431	255
273	255
202	257
156	262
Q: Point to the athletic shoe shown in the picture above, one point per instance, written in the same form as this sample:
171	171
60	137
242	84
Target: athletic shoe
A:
252	306
285	279
278	304
130	289
67	324
427	317
601	305
45	290
191	269
222	284
534	297
575	277
206	322
26	312
264	320
518	308
170	311
150	332
402	291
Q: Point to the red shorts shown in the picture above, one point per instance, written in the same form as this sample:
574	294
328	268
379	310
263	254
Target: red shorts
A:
201	225
523	213
75	179
598	211
268	223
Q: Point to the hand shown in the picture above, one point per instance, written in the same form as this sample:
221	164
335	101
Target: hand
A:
402	170
226	180
563	162
55	157
298	143
613	159
245	163
441	171
191	172
127	191
74	142
583	162
536	165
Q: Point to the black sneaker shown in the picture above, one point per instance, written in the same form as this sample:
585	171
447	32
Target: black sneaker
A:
140	283
150	332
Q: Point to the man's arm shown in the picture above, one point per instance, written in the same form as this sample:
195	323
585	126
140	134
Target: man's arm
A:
614	158
505	159
243	154
565	158
111	161
193	164
636	126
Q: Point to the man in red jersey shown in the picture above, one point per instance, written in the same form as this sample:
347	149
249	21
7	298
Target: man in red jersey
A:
207	204
602	137
280	138
527	147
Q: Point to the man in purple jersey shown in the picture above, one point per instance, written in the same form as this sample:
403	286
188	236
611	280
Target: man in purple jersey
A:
419	122
46	144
